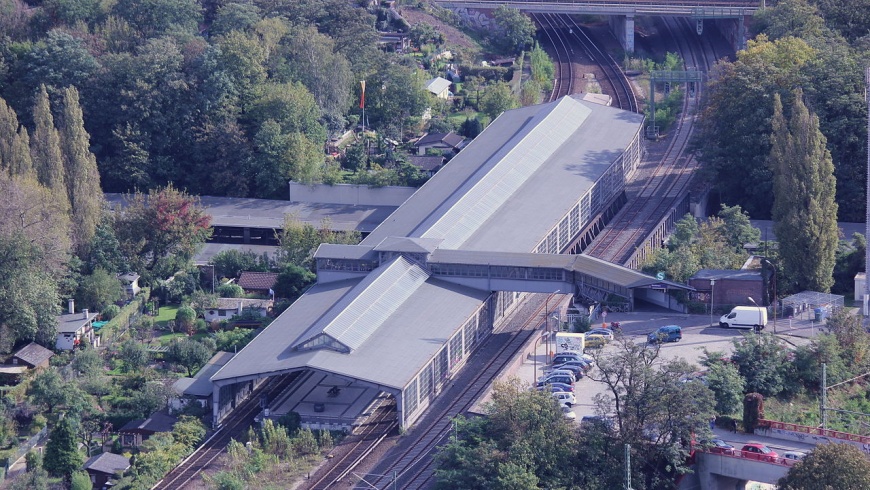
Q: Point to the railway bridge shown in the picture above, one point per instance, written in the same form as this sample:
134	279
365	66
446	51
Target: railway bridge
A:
729	16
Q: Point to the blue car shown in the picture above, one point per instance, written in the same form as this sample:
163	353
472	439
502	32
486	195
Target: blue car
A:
668	333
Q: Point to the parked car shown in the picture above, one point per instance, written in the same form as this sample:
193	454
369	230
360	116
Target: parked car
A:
571	356
593	420
668	333
719	446
564	398
582	364
556	387
604	332
568	380
577	371
595	340
759	452
558	372
569	414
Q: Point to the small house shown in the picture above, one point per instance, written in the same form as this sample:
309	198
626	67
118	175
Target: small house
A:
258	282
440	141
439	87
135	432
729	287
430	164
198	389
105	468
226	308
75	328
130	283
32	355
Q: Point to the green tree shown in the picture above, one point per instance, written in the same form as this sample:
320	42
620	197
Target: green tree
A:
98	290
80	481
48	389
189	354
736	229
31	480
185	317
763	362
87	362
134	355
828	466
513	31
14	143
234	340
231	263
46	149
230	291
299	240
292	281
496	99
727	385
82	177
804	211
188	431
62	457
153	17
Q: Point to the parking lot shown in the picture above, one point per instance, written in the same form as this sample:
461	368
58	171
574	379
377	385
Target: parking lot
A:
698	334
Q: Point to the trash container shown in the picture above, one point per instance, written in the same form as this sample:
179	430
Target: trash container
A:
788	311
820	314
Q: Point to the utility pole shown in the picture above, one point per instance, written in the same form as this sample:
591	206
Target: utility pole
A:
824	412
866	306
627	467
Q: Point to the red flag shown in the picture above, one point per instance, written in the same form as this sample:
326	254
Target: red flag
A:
362	95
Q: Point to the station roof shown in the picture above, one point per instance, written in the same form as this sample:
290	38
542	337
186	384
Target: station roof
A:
386	353
529	167
244	212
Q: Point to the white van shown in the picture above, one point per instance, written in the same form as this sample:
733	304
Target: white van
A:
564	398
745	317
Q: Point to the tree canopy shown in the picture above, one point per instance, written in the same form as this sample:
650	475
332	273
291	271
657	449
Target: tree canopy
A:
828	466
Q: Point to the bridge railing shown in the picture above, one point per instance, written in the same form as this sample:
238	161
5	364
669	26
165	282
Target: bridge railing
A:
815	431
738	454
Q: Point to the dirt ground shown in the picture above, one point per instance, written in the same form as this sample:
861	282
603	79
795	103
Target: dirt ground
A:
453	36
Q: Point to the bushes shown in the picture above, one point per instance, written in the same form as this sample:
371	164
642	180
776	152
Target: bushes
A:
110	312
230	291
122	319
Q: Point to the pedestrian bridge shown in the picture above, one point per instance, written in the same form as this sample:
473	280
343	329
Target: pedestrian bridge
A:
729	15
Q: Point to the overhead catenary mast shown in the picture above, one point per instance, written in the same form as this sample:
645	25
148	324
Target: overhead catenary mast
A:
867	212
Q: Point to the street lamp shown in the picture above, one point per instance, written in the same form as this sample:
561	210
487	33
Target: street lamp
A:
775	304
547	319
712	283
545	335
760	319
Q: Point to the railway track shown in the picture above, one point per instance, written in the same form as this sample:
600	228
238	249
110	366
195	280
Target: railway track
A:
233	427
563	81
623	241
412	461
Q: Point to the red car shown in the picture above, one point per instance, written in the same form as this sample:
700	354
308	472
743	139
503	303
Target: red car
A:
759	452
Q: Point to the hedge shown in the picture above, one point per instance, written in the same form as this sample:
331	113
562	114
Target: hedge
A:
122	319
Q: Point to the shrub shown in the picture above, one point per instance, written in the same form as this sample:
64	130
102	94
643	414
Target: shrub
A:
110	312
185	317
230	291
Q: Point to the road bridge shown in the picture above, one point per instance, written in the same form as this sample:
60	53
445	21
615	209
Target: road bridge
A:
729	15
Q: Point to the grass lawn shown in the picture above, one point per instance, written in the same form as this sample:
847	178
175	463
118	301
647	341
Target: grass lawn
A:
167	312
167	337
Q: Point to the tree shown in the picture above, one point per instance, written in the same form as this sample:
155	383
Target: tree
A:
763	362
514	30
31	480
496	99
292	281
81	176
14	143
230	290
87	362
829	466
167	225
299	240
804	211
185	317
230	263
234	340
62	457
727	385
45	149
189	354
153	17
134	355
99	290
524	439
80	481
48	389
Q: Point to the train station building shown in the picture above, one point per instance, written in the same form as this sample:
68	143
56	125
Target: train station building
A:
401	312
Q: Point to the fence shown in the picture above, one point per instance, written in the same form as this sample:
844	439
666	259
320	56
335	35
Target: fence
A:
24	447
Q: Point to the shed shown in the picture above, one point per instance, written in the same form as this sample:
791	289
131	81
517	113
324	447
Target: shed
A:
130	283
137	431
227	308
103	468
440	141
428	163
439	87
258	282
32	355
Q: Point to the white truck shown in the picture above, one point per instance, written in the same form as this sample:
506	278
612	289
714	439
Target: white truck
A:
754	317
570	342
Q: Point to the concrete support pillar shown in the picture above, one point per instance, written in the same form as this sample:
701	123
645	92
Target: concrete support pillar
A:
623	28
215	405
247	235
